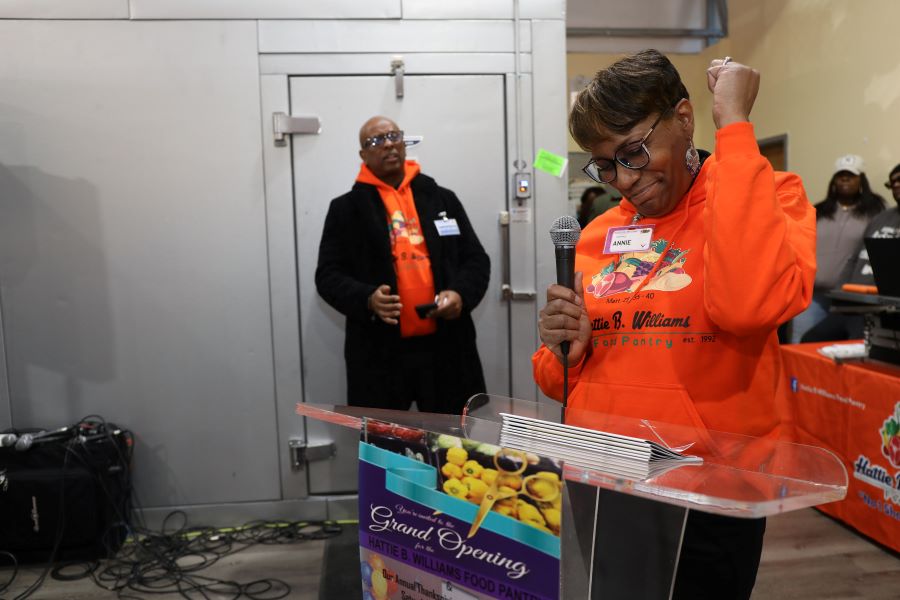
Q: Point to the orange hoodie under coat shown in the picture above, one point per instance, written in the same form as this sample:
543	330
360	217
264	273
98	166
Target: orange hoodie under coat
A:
694	341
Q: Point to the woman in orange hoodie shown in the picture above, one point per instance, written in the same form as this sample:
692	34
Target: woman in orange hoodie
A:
680	289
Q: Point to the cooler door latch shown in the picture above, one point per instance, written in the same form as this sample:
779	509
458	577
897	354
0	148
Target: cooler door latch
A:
302	452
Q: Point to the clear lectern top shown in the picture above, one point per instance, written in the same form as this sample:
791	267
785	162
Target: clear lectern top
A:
740	476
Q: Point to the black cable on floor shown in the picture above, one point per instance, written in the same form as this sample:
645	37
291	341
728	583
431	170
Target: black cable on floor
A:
15	570
158	562
170	561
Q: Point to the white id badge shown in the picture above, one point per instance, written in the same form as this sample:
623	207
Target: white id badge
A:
446	227
630	238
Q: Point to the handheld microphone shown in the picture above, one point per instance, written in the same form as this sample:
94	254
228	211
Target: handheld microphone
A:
27	440
565	233
85	438
24	442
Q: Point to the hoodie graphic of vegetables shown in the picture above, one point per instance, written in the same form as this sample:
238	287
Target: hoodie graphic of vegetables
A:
400	227
626	272
890	437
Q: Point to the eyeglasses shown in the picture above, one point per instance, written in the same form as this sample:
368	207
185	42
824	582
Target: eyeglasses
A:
378	140
634	156
892	183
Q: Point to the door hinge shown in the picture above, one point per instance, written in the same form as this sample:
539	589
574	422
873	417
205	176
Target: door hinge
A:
302	453
284	124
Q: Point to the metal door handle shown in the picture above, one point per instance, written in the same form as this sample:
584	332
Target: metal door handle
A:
303	452
506	290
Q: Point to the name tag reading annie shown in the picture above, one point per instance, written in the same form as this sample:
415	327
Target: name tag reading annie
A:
630	238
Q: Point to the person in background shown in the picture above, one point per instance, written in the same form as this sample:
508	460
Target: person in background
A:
730	252
591	204
886	224
841	220
395	243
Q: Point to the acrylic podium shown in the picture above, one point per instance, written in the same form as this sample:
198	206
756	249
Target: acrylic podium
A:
620	536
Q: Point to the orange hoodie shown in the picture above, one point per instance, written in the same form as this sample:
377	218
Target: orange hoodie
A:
685	332
412	264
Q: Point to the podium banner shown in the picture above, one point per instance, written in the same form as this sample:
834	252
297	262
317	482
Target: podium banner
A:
470	540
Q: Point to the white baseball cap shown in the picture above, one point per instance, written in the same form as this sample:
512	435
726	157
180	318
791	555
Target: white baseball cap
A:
851	163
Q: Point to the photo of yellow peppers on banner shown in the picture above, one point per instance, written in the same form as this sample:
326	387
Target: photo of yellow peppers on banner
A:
503	486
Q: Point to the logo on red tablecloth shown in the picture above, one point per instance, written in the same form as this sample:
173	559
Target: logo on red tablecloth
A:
890	437
869	471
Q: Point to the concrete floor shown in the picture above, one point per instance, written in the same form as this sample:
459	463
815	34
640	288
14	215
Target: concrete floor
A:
807	556
299	565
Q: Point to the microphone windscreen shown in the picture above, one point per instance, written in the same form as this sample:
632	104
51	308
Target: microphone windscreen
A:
24	442
565	231
7	439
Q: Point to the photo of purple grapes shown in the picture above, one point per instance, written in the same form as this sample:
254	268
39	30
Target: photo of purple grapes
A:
643	268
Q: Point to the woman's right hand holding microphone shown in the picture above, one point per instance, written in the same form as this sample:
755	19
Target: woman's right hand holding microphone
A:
564	318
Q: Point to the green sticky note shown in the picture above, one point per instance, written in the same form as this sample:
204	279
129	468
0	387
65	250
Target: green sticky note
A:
550	163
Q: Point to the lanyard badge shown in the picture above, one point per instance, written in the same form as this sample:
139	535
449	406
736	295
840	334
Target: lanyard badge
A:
446	226
629	238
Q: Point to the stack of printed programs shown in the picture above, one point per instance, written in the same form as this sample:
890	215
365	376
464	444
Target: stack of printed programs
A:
620	455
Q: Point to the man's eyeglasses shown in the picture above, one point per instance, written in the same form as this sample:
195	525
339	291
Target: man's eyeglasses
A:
892	183
378	140
632	156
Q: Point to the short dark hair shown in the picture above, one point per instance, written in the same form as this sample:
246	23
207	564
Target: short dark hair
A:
624	94
894	171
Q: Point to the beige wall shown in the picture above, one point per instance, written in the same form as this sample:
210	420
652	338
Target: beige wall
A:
830	81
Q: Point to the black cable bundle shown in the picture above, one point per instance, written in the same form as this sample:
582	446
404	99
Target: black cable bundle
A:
168	561
171	562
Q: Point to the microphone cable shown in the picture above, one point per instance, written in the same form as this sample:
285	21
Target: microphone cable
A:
170	560
565	401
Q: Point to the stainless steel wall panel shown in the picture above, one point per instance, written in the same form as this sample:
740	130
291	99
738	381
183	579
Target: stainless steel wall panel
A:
545	9
389	37
63	9
483	9
672	15
550	110
644	15
5	406
379	63
627	45
265	9
136	286
459	9
522	241
281	241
